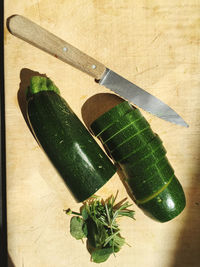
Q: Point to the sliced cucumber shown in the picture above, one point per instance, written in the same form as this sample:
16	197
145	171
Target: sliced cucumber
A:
109	117
142	158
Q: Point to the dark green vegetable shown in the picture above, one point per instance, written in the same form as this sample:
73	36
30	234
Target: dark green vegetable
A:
161	166
103	233
134	144
129	119
139	152
149	159
118	138
167	203
72	150
142	152
149	181
108	118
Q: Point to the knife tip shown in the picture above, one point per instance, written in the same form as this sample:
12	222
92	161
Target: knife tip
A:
184	124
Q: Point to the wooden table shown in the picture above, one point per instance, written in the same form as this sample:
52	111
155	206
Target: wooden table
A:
155	44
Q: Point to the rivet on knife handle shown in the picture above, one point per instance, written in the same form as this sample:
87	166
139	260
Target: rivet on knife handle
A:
32	33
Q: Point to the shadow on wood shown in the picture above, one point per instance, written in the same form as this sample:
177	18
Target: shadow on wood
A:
10	262
187	252
98	104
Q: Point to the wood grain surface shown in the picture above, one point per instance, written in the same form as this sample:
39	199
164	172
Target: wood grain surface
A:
155	44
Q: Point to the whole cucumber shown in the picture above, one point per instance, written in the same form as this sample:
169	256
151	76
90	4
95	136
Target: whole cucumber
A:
70	147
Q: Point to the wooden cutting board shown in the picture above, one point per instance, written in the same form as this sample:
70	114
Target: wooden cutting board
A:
155	44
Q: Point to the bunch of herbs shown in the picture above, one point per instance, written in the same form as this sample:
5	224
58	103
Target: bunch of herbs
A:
97	221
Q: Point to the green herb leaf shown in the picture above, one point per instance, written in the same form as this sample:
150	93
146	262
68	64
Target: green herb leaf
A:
85	229
101	255
118	241
96	234
78	228
84	213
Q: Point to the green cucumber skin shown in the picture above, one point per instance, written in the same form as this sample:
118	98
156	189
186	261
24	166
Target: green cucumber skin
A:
137	140
166	205
109	117
131	145
149	159
144	185
119	137
69	146
137	122
141	152
147	170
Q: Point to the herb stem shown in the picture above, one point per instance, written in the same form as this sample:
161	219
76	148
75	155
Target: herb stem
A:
69	211
110	237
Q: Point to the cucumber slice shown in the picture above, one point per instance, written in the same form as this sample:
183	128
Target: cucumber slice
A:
138	154
132	145
146	134
137	122
149	170
148	160
109	117
167	204
74	153
144	185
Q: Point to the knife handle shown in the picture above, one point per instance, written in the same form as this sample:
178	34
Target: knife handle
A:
32	33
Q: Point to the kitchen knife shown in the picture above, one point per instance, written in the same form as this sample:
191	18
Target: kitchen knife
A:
32	33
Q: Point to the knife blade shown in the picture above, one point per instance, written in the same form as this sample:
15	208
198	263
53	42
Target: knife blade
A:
34	34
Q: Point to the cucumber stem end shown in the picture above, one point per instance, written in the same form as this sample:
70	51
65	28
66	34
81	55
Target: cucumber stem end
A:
39	84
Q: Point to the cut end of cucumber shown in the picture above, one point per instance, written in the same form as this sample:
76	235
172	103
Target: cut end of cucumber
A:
168	204
39	84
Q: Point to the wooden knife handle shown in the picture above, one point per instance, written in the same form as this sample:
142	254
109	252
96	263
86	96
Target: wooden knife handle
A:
32	33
